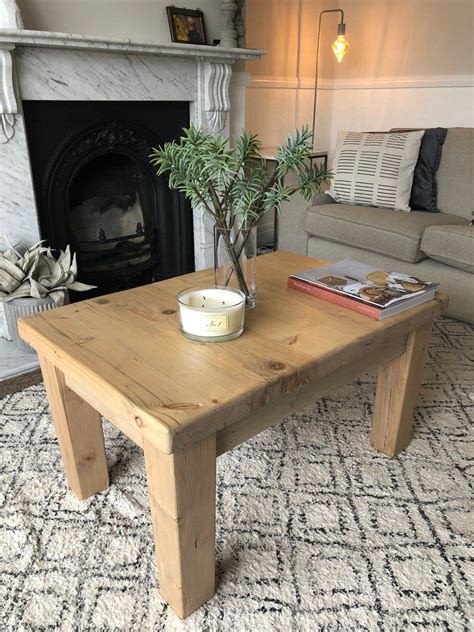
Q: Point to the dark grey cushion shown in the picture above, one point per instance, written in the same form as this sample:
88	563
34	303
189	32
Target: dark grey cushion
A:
393	233
423	190
423	195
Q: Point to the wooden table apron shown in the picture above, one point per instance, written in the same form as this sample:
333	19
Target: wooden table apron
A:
180	458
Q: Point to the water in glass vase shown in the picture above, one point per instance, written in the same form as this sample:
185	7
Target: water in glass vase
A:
235	251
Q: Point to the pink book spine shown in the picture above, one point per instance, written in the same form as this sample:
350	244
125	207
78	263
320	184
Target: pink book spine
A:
333	297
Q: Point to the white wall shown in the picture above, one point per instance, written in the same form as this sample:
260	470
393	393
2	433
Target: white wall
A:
361	105
410	64
136	19
381	109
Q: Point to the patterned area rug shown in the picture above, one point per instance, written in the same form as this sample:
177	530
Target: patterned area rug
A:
316	531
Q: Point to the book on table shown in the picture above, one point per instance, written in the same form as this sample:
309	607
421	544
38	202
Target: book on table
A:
363	288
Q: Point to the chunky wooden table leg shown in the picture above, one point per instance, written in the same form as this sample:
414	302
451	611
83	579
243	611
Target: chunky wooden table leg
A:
79	432
182	491
397	391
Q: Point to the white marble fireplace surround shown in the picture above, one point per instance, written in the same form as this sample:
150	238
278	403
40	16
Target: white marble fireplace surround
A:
37	65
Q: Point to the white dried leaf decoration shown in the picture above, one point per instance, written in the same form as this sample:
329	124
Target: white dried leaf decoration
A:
37	273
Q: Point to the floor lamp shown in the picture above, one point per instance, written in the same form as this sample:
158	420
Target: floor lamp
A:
339	48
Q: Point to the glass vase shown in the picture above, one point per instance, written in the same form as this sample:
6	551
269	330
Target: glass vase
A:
235	251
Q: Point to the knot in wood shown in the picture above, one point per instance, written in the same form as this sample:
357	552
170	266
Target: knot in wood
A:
276	366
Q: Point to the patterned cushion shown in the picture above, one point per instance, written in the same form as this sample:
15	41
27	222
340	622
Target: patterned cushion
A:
375	169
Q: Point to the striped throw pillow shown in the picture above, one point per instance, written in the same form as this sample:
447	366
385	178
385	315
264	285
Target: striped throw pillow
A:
375	169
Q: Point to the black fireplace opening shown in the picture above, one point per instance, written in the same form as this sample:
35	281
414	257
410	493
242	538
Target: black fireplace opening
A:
97	191
111	217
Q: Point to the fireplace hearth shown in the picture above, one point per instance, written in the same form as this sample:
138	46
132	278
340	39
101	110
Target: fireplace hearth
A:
96	189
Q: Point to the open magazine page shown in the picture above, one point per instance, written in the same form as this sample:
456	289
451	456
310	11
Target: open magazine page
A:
366	283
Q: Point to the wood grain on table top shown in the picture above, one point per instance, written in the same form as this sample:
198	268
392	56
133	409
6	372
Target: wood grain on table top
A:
125	351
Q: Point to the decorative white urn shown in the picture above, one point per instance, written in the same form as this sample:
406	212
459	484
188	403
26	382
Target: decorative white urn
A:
10	16
229	34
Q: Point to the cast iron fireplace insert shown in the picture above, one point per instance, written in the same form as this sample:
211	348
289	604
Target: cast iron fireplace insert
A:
97	191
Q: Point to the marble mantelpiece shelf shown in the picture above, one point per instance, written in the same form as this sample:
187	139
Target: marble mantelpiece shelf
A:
46	39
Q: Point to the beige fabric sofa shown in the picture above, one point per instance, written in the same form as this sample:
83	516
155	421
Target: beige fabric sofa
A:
434	246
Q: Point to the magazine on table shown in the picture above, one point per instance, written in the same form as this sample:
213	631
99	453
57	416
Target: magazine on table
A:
368	284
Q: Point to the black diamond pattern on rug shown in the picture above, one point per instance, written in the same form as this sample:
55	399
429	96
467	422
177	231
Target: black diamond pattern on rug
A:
315	530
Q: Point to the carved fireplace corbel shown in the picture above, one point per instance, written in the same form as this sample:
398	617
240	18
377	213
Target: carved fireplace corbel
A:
10	18
8	102
217	77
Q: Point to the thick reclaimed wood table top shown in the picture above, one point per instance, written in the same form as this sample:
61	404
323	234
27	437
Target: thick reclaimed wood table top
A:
123	353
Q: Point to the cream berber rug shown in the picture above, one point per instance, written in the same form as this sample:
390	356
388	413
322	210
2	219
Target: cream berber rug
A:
316	531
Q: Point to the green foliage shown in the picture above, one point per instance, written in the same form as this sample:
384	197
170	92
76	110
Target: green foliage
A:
237	183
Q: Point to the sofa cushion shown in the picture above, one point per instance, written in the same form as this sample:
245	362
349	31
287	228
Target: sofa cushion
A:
375	168
456	283
453	245
392	233
455	175
423	191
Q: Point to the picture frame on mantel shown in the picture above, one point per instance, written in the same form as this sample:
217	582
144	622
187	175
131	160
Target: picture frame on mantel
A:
186	25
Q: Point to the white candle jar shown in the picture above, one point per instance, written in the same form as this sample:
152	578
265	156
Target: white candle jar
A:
211	314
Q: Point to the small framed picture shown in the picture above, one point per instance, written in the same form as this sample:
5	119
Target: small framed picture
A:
186	26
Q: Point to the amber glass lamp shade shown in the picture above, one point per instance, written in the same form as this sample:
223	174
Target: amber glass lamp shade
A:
340	46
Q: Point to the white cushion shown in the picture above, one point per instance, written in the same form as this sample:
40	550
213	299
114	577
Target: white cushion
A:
375	169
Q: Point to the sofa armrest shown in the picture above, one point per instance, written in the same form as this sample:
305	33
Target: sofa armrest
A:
322	198
291	233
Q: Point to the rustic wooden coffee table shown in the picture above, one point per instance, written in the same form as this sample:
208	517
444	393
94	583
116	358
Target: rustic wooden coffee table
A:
185	402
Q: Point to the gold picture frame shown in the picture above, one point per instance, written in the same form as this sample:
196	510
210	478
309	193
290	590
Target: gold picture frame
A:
187	25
